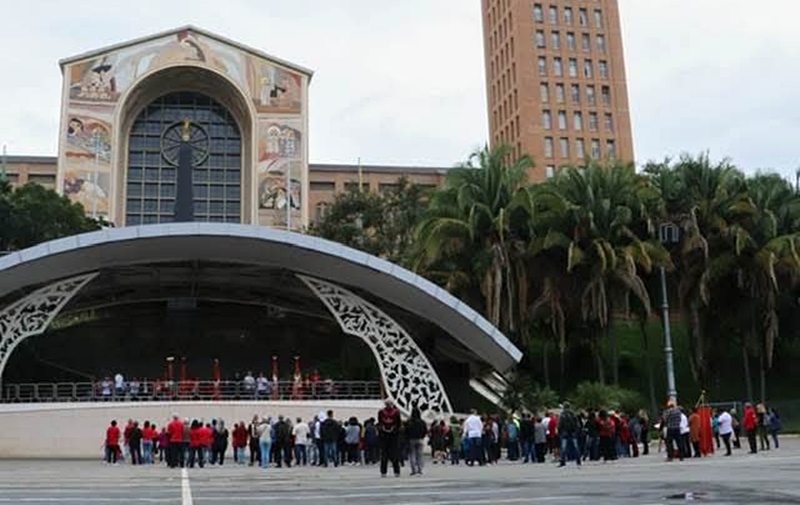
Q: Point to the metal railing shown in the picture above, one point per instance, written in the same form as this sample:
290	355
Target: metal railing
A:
148	391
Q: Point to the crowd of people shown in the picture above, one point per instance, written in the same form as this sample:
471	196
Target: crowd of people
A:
563	436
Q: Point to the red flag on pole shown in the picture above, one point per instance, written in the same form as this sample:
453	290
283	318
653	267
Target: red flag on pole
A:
706	431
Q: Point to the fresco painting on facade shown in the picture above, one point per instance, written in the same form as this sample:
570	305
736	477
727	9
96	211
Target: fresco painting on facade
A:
106	78
85	185
272	186
280	151
274	89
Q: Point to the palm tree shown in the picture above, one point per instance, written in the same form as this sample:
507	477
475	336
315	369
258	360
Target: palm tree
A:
707	201
766	258
474	236
605	234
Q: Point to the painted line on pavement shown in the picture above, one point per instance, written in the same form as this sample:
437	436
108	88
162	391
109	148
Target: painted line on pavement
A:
186	489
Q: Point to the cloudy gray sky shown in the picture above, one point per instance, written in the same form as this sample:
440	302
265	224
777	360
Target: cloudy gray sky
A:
402	82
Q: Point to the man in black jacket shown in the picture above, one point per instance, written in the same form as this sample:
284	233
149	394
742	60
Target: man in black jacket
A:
526	439
388	430
329	433
568	429
283	442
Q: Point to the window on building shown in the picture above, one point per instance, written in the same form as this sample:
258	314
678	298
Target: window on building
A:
601	43
568	15
573	67
559	93
609	123
586	42
587	69
606	95
322	186
538	13
549	171
571	41
580	148
544	92
548	147
547	120
540	39
558	67
583	17
602	67
611	148
542	65
577	120
598	18
575	93
595	148
593	121
555	40
563	144
553	15
590	95
562	120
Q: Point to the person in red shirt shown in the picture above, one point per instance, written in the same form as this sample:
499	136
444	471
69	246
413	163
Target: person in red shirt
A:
112	443
148	435
196	444
207	438
239	442
126	439
175	449
750	426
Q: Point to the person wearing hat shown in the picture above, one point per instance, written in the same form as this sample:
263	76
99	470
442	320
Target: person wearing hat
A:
388	429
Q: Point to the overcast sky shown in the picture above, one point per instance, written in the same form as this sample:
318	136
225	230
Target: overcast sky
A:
402	81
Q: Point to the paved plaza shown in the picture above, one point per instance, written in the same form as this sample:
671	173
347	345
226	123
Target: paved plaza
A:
766	478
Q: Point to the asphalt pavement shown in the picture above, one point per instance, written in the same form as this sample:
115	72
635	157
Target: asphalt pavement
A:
766	478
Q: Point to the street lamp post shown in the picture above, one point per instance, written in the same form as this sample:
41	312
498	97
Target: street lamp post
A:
668	234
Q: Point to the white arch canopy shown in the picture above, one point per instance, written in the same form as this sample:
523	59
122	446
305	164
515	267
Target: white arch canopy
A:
324	266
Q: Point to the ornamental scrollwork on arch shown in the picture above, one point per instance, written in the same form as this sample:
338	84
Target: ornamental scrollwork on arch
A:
32	314
407	374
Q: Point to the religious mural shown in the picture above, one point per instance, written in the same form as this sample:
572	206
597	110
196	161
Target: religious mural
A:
104	79
274	89
88	162
280	169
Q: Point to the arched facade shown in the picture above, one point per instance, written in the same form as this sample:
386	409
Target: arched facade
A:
105	91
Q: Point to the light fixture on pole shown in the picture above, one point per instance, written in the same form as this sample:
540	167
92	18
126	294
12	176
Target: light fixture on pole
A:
668	234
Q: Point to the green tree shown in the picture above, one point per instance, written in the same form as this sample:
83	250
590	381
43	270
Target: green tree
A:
602	223
708	201
473	239
766	262
381	224
35	214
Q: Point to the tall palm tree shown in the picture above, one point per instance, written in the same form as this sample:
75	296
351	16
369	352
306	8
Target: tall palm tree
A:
767	260
605	233
473	237
708	201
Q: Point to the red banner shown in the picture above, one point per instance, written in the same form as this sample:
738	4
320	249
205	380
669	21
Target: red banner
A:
706	432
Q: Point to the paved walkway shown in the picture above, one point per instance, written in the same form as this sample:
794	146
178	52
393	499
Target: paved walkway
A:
766	478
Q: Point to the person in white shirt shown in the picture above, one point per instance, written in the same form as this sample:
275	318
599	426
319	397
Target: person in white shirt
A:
473	430
726	430
685	447
119	385
301	433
